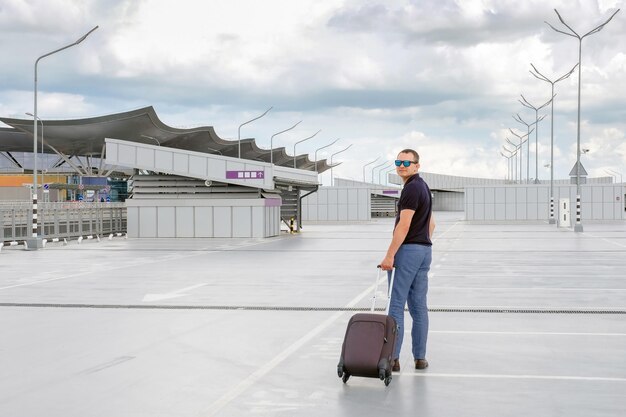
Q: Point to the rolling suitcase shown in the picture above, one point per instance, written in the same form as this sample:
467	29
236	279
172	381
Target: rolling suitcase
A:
369	343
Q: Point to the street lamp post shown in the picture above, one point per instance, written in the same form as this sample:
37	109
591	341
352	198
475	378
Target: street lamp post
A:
272	140
243	124
579	226
377	166
519	119
525	103
331	162
300	141
385	171
542	77
516	151
521	142
369	163
41	123
35	242
323	147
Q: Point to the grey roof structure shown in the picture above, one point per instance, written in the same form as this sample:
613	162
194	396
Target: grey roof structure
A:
84	137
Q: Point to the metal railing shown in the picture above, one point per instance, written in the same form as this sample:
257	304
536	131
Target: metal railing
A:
64	220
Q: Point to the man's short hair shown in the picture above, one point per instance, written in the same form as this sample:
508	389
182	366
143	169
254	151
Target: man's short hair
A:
415	154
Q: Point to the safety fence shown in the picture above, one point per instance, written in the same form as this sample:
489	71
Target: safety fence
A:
63	220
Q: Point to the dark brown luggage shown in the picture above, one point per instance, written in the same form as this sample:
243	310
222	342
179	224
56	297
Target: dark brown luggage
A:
369	343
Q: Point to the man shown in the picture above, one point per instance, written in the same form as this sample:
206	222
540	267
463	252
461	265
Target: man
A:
410	252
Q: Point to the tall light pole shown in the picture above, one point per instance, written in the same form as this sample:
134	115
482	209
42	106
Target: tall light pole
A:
272	141
525	103
385	171
377	166
519	119
323	147
41	123
331	162
35	242
369	163
521	142
300	141
510	163
243	124
517	150
578	227
542	77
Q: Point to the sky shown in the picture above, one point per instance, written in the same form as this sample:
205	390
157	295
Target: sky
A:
443	77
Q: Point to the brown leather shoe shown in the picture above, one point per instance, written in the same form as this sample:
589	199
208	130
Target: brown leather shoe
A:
396	365
421	364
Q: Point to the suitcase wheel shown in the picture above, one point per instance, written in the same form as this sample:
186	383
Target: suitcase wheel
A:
382	374
340	371
388	381
345	377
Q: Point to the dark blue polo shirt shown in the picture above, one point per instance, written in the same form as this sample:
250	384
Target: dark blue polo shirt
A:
416	196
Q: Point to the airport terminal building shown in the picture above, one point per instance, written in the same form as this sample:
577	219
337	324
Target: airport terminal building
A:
171	182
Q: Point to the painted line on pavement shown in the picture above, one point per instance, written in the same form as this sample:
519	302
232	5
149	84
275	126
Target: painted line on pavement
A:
498	376
523	333
233	393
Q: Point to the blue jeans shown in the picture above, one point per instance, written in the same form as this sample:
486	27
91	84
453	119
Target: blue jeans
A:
410	286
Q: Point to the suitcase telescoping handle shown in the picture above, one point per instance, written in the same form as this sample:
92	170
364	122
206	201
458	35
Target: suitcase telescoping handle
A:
393	274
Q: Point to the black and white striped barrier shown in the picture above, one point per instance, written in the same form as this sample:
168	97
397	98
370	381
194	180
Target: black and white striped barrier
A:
578	210
13	243
89	237
56	239
551	209
35	214
118	235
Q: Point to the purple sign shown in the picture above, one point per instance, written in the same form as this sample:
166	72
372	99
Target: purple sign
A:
245	175
273	202
394	192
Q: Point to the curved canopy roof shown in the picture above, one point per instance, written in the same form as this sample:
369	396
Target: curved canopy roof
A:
83	137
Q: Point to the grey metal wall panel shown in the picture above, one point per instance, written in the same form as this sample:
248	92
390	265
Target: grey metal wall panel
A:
520	196
510	196
322	196
164	160
127	154
596	211
342	196
543	194
479	195
166	222
332	197
353	212
222	222
313	213
364	212
597	194
607	211
181	163
543	211
510	211
147	222
500	196
531	195
258	221
521	213
490	195
353	195
184	222
145	157
242	222
531	212
500	213
342	212
311	199
469	195
333	212
322	212
479	211
132	216
469	212
198	166
490	212
216	169
203	224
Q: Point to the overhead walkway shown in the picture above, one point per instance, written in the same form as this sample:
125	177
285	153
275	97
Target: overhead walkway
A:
272	193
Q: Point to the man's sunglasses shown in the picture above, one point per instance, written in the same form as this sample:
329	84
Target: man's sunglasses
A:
405	163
